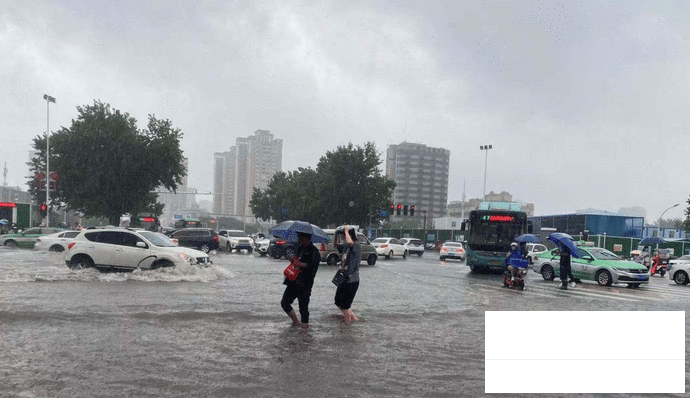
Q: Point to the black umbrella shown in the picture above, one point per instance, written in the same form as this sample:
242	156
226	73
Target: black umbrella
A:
652	240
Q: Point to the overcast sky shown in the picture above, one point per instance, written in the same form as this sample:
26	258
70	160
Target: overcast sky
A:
586	105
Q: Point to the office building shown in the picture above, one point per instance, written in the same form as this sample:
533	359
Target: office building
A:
421	175
250	164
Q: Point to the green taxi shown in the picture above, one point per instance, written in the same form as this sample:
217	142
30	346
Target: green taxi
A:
26	239
594	264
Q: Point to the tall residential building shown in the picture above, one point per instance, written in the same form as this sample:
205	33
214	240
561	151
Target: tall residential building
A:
421	175
250	164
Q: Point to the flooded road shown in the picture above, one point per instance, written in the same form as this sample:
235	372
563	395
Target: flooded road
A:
220	331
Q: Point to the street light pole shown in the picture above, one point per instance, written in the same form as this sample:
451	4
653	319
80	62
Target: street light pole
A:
486	161
48	99
658	225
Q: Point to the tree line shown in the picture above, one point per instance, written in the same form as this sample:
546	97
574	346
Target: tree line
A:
347	187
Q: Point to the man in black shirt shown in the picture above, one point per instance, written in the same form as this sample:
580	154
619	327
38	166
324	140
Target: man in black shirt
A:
307	259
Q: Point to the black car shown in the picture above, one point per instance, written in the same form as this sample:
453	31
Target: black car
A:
279	247
204	239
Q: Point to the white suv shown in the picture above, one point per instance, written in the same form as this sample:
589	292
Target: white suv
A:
234	239
126	249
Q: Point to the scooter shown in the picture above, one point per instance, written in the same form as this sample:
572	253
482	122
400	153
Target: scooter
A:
659	266
520	272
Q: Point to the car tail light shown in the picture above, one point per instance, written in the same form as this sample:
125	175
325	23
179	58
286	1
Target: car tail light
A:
175	241
443	249
216	239
280	242
384	245
460	250
71	245
323	247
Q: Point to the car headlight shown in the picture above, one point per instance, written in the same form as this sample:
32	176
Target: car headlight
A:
187	258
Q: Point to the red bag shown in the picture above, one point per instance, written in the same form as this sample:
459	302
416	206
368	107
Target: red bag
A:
291	272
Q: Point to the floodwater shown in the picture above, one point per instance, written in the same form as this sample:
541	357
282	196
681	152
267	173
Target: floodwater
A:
220	331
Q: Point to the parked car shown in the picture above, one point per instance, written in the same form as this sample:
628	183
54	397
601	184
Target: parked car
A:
389	247
279	247
56	242
27	238
594	264
233	239
679	269
331	255
533	249
452	250
414	246
204	239
127	249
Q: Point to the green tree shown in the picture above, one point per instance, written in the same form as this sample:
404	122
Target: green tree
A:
352	187
107	166
346	187
686	222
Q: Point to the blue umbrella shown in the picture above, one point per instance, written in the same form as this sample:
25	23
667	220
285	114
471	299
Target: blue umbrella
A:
528	238
565	240
288	230
652	240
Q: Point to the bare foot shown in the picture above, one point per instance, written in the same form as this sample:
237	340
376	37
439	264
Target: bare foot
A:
346	315
353	316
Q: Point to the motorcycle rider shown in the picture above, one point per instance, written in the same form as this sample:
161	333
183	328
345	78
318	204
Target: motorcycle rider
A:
645	258
515	253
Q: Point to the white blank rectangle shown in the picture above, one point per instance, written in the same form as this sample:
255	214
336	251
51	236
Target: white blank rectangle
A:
584	352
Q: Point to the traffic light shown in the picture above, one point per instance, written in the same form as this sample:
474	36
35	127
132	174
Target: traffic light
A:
44	209
399	208
392	208
405	210
412	210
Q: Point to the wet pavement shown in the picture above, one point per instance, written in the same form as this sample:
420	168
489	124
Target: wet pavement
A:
220	331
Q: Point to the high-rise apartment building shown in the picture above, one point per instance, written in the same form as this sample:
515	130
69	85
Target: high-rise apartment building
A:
250	164
421	175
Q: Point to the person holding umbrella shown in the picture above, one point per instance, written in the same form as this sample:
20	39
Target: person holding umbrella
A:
307	259
565	266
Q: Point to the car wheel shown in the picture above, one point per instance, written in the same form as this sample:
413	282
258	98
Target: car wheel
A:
262	254
371	260
420	254
81	262
474	268
443	258
405	254
205	248
389	255
603	277
332	259
680	278
547	273
56	249
249	250
289	252
228	247
12	244
162	264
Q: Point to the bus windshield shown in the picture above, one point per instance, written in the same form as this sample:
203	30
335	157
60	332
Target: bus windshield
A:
494	231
